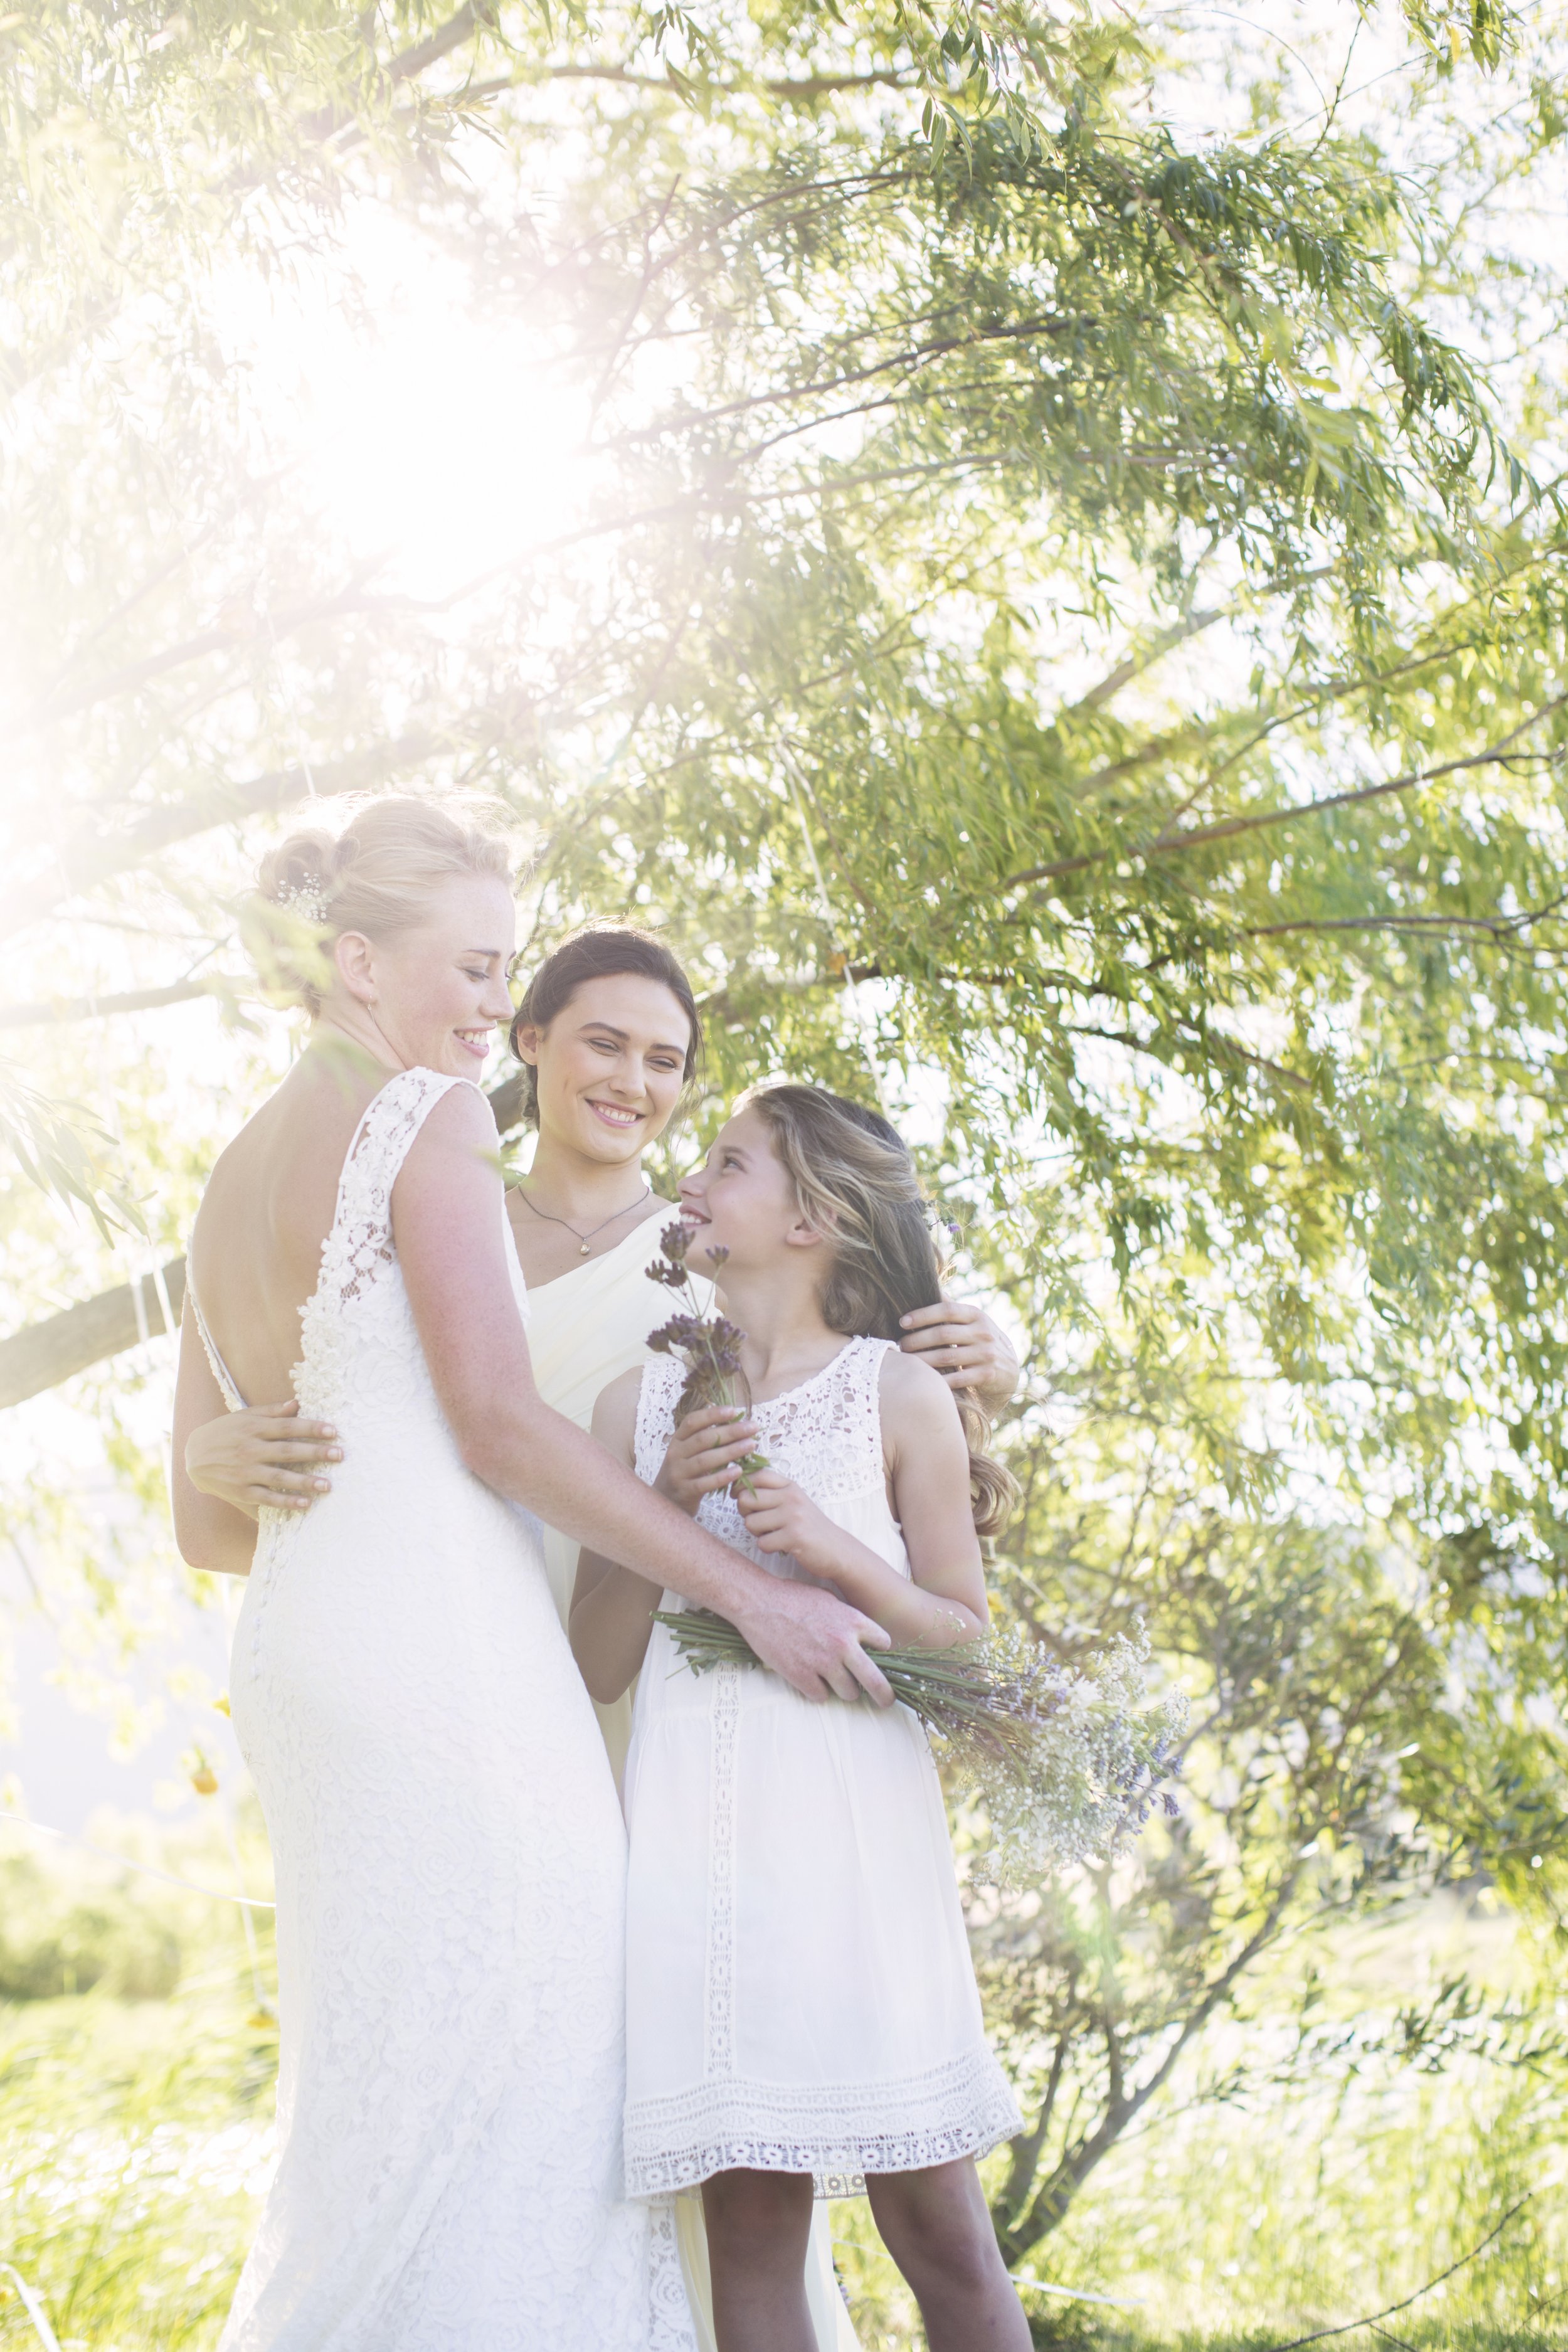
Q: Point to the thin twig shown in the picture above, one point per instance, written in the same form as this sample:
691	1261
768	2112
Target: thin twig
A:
1350	2326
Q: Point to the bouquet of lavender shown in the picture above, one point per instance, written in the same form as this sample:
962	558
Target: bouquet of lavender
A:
709	1345
1067	1763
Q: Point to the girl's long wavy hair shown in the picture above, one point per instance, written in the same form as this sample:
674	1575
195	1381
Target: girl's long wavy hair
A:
856	1181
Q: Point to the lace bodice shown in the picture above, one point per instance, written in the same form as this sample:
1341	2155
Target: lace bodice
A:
825	1434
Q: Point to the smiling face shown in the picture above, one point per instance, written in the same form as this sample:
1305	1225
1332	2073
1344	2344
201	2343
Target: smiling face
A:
610	1065
437	992
741	1200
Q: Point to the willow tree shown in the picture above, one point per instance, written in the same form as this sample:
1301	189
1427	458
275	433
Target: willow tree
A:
1061	614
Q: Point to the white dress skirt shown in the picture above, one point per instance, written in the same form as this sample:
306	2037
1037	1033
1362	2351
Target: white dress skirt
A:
451	1862
800	1992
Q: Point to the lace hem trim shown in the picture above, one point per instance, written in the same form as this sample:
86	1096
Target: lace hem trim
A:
840	2134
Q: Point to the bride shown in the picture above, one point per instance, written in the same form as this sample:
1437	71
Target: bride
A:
448	1849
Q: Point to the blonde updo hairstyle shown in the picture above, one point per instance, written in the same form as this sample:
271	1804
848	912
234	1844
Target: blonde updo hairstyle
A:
854	1180
376	877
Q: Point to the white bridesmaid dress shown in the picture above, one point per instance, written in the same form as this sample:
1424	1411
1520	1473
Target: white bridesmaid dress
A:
450	1875
800	1992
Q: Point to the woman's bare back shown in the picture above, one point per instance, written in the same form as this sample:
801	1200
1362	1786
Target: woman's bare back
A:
256	1249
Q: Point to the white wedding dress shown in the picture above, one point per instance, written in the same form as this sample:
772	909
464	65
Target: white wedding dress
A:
450	1874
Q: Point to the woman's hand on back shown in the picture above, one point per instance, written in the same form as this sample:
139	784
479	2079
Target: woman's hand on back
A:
958	1340
265	1458
704	1453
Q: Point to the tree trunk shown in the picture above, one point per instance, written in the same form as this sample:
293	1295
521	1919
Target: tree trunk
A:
46	1353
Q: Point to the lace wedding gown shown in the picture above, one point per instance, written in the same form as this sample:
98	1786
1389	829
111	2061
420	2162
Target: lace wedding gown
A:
450	1874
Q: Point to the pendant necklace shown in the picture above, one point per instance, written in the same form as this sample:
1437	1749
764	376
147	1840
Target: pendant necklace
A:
582	1240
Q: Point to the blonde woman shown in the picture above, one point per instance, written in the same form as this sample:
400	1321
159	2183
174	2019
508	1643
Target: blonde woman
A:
448	1849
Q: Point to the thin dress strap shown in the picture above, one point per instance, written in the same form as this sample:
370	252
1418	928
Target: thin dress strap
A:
220	1370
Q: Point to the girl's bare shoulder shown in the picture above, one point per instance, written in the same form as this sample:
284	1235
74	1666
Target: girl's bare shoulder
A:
615	1410
916	1404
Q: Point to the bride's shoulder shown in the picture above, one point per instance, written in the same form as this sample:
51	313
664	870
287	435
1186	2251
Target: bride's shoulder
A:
448	1111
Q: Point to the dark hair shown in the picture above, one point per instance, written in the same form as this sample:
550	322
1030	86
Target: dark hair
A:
599	951
856	1182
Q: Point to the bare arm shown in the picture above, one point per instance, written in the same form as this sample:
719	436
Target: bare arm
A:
612	1608
264	1456
448	1222
211	1534
959	1339
943	1601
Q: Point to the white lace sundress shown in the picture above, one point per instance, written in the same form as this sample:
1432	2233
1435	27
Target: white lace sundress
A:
799	1987
450	1875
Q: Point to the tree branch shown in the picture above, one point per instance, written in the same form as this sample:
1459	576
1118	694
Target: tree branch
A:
1075	2167
800	88
93	1008
207	641
1199	835
46	1353
442	41
98	861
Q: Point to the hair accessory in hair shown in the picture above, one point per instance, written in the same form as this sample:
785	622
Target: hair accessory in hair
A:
306	899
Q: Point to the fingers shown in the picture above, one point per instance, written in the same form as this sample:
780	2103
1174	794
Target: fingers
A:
955	1312
716	1432
296	1439
942	1337
728	1449
293	1490
712	1416
282	1453
866	1674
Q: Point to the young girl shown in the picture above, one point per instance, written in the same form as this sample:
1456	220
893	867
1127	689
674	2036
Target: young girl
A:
801	1999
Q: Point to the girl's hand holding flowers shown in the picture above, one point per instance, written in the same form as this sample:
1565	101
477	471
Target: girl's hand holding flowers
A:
780	1518
705	1456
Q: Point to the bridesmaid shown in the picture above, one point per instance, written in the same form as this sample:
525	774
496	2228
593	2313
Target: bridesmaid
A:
609	1035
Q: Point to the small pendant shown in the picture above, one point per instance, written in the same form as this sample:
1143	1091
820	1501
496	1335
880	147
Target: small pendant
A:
583	1252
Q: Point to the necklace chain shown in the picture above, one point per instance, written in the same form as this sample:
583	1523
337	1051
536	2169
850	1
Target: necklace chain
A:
582	1240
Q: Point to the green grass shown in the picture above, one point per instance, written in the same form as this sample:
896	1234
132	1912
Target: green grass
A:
134	2121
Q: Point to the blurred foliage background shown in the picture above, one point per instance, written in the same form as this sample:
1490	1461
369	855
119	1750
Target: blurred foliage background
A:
1029	540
